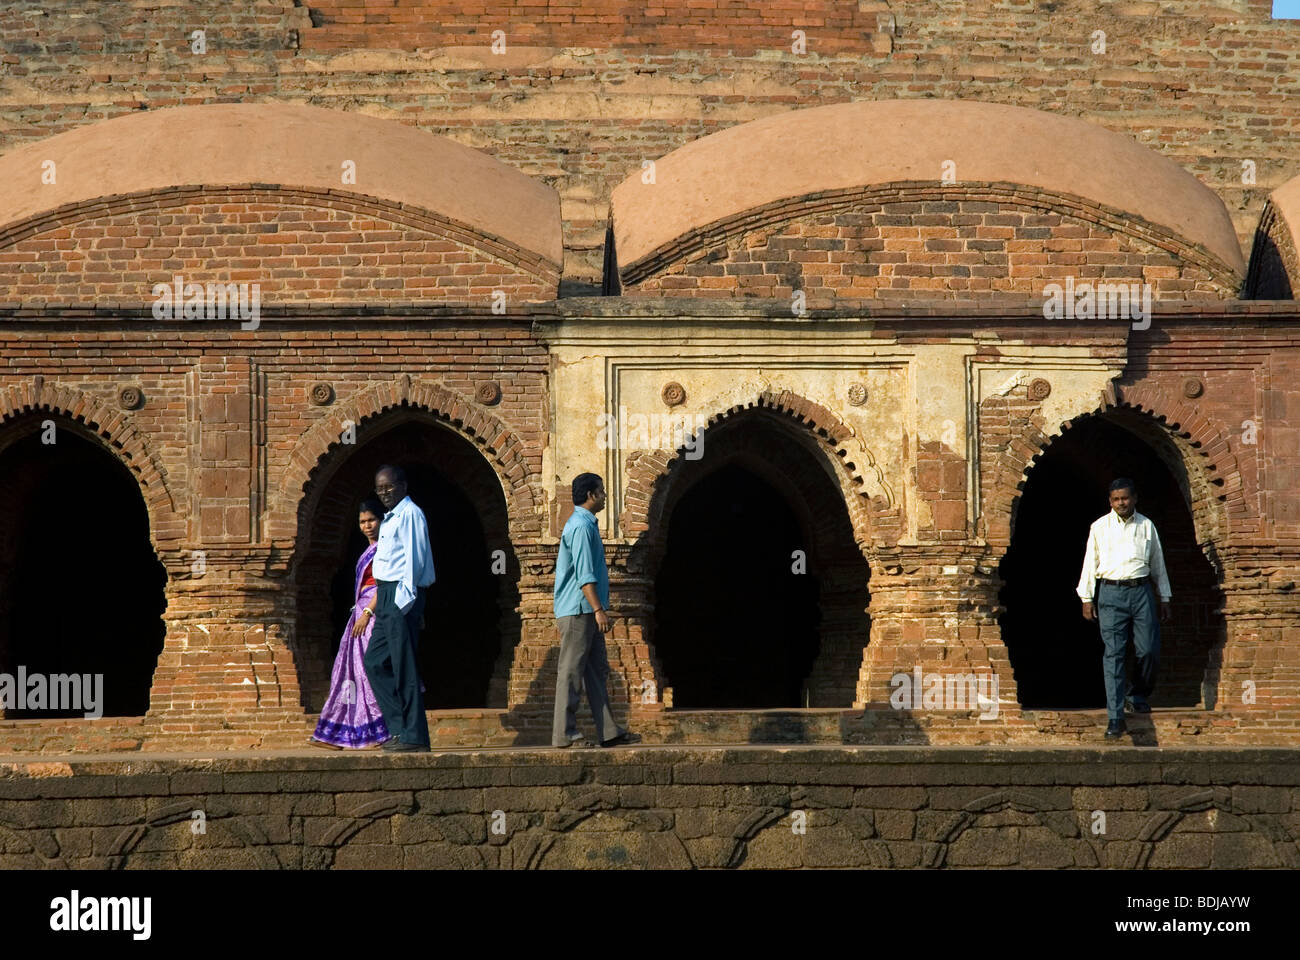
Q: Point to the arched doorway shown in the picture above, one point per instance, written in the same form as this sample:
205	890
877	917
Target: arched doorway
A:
1055	653
761	591
83	589
470	615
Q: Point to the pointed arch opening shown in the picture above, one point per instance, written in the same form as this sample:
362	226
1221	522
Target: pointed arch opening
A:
471	614
82	591
1055	653
760	589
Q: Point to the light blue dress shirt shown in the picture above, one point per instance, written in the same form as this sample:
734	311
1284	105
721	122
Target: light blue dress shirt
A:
403	553
581	561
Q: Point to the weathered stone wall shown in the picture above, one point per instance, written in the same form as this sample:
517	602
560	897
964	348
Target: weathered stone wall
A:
663	809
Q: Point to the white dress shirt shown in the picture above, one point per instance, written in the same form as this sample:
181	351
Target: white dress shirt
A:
1123	550
403	553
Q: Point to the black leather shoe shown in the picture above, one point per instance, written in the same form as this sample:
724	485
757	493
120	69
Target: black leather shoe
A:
626	736
390	744
404	747
1115	729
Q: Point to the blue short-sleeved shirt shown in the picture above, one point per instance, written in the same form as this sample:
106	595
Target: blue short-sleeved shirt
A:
581	561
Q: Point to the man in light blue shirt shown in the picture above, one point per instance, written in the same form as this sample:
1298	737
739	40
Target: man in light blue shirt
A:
403	570
581	613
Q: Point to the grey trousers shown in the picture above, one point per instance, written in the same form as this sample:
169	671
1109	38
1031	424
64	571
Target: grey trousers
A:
583	662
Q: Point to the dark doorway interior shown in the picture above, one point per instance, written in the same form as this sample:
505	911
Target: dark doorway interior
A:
1055	653
83	589
735	627
463	502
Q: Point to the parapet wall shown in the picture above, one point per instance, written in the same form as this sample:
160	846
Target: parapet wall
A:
756	808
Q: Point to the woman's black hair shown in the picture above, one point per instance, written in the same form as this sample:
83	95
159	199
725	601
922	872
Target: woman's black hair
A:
371	505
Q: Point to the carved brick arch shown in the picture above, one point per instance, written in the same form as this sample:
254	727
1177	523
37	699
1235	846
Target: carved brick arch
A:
1192	446
861	157
1274	272
27	848
1270	830
1214	491
285	196
741	231
869	499
1062	823
115	430
311	458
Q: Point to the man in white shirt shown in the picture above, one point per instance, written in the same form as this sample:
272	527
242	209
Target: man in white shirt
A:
1121	562
403	570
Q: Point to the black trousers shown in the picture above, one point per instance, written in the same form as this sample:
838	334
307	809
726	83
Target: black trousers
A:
393	665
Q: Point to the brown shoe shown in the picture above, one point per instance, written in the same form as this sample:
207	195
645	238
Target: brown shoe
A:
322	744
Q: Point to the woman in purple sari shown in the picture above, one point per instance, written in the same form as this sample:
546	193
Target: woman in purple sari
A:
351	716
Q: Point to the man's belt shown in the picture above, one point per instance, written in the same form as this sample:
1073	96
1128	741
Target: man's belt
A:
1123	583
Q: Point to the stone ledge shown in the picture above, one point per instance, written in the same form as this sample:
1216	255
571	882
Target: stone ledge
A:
17	766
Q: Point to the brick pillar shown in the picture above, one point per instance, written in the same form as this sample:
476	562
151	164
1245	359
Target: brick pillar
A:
1258	658
634	676
532	678
933	606
512	624
226	675
6	604
844	636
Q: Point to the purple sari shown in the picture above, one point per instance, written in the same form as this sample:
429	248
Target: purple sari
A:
351	715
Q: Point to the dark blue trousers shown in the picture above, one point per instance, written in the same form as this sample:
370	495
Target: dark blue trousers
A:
1128	613
392	664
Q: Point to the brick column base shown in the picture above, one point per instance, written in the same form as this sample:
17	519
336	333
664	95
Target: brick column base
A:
933	608
227	672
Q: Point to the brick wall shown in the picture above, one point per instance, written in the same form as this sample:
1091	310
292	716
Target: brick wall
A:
1207	85
923	249
229	418
346	24
243	617
294	244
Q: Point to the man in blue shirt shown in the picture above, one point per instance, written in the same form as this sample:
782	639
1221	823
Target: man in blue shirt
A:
403	570
581	613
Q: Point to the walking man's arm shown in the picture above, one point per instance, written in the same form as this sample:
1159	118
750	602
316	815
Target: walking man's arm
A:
602	618
1160	576
1088	578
